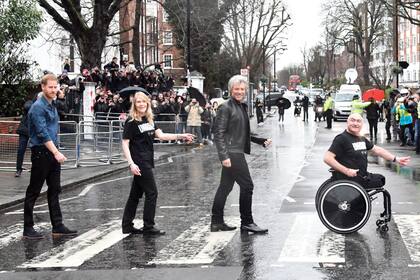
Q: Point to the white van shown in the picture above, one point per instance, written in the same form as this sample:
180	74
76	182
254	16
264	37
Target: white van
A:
343	99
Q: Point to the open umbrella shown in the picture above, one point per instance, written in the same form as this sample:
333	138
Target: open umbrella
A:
126	92
374	93
284	102
195	93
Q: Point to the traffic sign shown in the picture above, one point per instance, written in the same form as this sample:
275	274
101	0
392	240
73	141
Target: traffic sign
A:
244	72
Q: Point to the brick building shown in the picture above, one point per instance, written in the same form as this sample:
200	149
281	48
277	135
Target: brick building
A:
157	42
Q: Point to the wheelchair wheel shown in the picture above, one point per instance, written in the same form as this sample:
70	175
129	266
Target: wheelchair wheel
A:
320	190
343	206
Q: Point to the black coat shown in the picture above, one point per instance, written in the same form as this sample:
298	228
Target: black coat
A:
23	128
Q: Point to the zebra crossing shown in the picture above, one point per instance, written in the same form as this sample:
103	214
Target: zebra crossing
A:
307	241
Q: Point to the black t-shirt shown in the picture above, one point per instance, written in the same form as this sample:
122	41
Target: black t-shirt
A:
351	151
141	135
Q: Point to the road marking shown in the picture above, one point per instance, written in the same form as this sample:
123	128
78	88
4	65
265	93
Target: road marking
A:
90	186
196	245
409	227
405	202
100	210
309	203
76	251
253	204
20	212
309	242
174	206
289	199
14	233
170	160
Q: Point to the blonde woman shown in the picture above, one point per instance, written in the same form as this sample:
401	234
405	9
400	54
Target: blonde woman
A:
137	144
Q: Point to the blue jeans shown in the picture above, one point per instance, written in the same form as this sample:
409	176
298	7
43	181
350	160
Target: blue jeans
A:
196	130
23	143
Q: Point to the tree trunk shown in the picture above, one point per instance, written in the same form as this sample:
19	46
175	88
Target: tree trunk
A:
90	47
136	34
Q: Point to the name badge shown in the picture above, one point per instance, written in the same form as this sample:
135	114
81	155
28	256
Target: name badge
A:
146	127
359	146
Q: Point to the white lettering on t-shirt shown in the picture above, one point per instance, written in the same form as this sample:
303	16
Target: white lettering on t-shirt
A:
359	146
146	127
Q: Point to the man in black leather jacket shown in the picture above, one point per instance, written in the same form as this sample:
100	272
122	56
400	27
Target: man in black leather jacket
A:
233	138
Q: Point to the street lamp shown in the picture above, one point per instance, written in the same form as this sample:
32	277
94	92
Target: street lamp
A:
263	82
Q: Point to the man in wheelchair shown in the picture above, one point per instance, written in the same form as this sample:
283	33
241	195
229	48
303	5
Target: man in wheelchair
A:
343	202
347	155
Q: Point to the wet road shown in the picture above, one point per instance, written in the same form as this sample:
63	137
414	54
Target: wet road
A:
286	177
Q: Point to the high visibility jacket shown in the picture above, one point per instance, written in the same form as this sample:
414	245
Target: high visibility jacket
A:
404	116
357	106
328	104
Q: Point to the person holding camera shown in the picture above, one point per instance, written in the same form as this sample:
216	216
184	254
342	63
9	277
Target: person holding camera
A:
194	111
232	136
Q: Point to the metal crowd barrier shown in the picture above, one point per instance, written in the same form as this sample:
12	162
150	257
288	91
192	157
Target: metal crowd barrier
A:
84	141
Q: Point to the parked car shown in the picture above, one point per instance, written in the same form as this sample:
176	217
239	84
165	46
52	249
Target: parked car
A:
342	103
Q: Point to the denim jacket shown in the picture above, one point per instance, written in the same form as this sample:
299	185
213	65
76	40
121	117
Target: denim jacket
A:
42	123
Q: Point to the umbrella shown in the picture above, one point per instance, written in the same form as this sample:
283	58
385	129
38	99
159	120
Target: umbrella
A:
195	93
377	94
284	102
125	92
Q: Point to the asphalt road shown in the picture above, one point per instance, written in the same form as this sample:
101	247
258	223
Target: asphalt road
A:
286	177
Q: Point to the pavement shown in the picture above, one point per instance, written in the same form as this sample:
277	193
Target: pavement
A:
12	190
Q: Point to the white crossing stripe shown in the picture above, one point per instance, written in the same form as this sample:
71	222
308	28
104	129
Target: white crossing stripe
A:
76	251
14	233
309	241
409	227
196	245
290	199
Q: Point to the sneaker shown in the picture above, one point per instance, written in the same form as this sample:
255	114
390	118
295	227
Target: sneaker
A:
18	173
63	231
31	233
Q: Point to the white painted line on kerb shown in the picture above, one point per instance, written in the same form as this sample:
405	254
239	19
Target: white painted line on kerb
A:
309	242
289	199
14	233
75	252
409	227
196	245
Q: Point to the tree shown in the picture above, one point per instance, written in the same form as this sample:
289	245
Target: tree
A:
19	23
206	33
88	23
359	25
405	9
253	29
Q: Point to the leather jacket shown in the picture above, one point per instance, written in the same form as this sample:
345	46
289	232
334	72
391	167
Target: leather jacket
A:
232	131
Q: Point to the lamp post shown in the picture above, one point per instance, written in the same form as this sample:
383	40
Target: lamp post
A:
263	82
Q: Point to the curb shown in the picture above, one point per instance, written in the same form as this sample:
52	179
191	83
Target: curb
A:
118	167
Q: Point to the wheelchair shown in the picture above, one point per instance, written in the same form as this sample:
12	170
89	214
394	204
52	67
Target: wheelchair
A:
344	206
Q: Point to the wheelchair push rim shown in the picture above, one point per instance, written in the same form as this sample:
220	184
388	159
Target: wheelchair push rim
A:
344	206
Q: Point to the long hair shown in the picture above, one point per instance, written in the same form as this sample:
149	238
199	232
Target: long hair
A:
135	114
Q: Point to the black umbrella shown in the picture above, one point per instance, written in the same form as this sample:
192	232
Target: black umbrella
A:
126	92
284	102
195	93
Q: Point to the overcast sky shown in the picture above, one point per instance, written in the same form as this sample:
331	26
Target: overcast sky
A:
306	29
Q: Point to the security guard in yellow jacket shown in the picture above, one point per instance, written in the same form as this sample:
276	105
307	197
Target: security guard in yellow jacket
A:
328	110
357	105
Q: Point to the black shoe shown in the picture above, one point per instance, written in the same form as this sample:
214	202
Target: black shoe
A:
63	231
31	233
132	230
152	231
253	228
221	227
18	173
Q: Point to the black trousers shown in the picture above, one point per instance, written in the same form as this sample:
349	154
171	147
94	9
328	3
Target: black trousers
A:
260	117
305	113
141	184
23	143
388	129
238	173
373	128
44	168
329	115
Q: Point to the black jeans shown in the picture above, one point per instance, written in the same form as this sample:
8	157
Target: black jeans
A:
305	113
239	173
329	115
44	168
141	184
23	143
373	128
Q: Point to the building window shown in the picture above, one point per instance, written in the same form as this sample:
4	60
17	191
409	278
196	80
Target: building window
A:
167	61
165	17
167	37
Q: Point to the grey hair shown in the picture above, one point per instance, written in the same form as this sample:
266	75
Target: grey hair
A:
237	79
